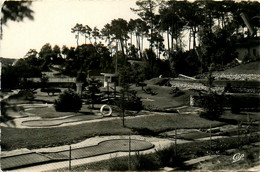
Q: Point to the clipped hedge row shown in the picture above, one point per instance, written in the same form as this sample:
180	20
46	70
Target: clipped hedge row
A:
219	85
236	102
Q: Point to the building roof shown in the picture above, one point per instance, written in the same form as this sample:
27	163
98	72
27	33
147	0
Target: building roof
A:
110	74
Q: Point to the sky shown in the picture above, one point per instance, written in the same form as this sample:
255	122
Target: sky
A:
53	20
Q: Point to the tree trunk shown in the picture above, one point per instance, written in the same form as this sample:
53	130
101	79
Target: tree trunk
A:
122	47
78	40
190	39
168	40
194	38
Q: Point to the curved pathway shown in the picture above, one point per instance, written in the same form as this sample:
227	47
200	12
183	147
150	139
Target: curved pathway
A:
102	148
57	121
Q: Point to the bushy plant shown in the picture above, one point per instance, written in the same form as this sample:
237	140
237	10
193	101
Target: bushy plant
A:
92	91
244	102
118	164
149	90
212	104
169	158
68	101
211	101
175	92
131	100
25	94
51	90
138	162
145	162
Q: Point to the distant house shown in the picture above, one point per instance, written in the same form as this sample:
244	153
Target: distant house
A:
54	76
110	79
248	49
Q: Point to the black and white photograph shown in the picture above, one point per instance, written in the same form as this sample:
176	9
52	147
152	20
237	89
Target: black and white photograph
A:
129	85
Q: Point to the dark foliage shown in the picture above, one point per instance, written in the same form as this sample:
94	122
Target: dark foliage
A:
145	162
149	90
168	157
16	11
212	103
51	90
244	102
175	92
92	91
68	102
131	100
186	63
4	117
117	164
154	67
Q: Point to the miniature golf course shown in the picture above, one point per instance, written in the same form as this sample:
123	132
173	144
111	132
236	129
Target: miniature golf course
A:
104	147
58	121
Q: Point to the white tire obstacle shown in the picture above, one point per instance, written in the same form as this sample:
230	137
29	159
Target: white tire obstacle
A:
104	113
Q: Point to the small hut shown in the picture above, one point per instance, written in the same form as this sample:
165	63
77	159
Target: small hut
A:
110	79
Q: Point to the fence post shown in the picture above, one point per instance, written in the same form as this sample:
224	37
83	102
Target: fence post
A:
210	139
70	159
175	141
129	155
238	134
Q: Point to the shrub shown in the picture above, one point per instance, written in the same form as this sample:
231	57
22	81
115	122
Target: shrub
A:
50	90
28	85
149	90
175	92
68	102
168	158
141	84
138	162
244	102
131	101
212	103
26	94
145	162
118	164
92	91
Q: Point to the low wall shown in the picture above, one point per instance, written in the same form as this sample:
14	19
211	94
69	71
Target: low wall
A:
193	84
242	101
237	77
219	85
55	80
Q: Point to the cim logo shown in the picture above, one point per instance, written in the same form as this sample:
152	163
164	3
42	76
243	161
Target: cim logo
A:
238	157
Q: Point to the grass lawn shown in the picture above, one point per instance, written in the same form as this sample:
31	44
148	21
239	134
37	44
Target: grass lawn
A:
249	68
160	123
243	116
163	99
15	138
225	162
50	112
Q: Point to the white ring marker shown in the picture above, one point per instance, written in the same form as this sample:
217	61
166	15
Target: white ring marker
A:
106	114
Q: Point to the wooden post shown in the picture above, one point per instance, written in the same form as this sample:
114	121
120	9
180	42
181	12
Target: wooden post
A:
70	159
114	89
123	108
210	140
129	155
108	91
238	139
175	141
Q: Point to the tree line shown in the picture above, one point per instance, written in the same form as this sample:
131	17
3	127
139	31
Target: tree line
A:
210	28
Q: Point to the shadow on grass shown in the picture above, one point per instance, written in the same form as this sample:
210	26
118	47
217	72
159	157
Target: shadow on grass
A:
144	131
